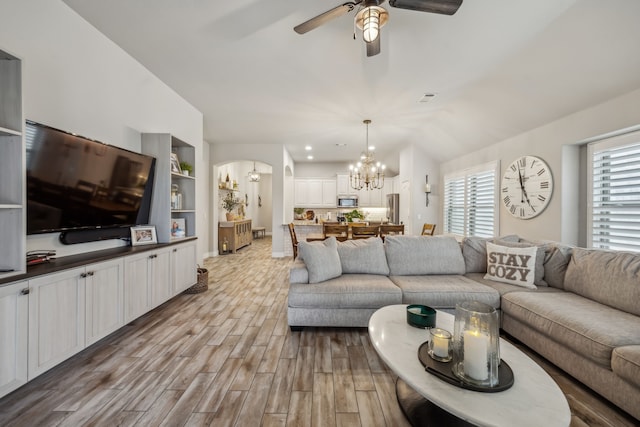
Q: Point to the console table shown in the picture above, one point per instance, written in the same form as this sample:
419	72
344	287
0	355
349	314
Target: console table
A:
238	234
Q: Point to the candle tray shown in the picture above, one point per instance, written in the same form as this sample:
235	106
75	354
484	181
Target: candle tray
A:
443	370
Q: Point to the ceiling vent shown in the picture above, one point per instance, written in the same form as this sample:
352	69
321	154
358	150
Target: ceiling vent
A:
427	97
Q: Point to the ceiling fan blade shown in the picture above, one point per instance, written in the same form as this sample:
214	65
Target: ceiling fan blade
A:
325	17
373	48
444	7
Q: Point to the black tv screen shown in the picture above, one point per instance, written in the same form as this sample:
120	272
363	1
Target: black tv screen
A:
75	183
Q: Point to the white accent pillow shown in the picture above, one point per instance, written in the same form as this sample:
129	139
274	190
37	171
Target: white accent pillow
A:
321	259
515	266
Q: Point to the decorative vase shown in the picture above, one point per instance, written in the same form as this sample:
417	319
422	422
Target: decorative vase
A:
229	216
476	344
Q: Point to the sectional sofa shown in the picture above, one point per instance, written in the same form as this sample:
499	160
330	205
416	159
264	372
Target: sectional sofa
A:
579	308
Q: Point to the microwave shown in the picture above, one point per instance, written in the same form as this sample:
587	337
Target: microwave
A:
347	201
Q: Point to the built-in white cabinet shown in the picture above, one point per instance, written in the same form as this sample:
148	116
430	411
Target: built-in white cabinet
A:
56	319
104	287
342	186
184	269
147	282
14	332
12	177
164	206
315	193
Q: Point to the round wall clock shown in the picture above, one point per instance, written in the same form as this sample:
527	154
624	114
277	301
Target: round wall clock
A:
526	187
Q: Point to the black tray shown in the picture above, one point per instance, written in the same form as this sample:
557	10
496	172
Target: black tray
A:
443	371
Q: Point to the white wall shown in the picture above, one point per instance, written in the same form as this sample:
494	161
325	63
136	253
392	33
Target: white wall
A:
561	220
76	79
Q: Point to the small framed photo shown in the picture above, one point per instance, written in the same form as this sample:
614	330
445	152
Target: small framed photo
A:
178	228
143	235
175	164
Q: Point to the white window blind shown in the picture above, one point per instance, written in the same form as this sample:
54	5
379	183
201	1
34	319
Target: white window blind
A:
470	202
615	193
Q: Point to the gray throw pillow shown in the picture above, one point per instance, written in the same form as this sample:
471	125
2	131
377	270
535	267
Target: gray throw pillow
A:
363	256
540	254
321	258
474	251
555	265
417	255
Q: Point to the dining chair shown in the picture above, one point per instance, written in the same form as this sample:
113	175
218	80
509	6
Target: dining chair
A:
386	229
340	232
428	229
294	240
365	231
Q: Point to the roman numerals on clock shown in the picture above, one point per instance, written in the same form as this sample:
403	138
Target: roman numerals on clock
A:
526	187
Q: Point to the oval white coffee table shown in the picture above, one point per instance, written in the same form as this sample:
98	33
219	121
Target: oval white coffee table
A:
534	399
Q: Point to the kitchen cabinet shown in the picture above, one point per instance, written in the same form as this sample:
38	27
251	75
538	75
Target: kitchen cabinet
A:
184	269
147	282
342	186
237	234
314	193
14	332
56	319
104	284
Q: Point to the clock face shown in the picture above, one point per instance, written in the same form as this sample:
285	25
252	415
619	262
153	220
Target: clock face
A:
526	187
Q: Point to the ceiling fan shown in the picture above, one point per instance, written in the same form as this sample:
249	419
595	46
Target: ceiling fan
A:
371	17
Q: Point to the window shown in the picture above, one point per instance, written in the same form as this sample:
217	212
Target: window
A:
470	199
614	193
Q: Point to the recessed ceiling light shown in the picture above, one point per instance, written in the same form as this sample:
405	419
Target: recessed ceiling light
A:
308	148
309	157
372	147
341	144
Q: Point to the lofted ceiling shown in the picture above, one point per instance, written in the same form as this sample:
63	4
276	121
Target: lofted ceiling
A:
499	68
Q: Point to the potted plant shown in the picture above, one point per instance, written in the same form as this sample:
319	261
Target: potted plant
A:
186	168
298	212
229	203
354	214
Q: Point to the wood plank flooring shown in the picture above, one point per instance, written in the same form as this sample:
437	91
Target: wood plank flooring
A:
226	357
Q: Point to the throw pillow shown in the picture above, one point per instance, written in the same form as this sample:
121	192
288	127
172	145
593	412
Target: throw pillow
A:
321	259
539	257
363	256
474	250
511	265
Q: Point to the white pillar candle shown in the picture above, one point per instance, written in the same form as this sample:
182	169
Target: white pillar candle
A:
440	345
475	355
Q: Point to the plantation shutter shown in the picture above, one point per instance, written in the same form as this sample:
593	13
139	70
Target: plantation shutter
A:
615	193
470	202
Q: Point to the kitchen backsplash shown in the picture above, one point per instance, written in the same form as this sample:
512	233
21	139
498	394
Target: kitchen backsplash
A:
371	214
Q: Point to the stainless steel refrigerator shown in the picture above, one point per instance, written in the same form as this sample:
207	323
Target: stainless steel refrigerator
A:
393	208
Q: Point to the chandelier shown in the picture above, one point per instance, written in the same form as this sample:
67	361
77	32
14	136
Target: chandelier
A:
254	175
367	173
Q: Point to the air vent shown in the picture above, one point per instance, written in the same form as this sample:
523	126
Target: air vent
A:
427	97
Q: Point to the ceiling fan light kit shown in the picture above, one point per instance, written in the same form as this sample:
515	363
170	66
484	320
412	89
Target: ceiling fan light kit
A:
371	17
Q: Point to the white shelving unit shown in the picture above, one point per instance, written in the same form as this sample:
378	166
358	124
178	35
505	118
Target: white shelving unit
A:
12	166
160	146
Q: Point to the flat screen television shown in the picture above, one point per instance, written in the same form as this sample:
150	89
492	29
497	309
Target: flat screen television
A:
75	183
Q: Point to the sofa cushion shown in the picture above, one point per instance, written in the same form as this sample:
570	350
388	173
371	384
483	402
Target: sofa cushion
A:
364	256
474	251
555	264
515	266
347	291
504	288
626	363
541	249
321	258
412	255
444	291
609	277
587	327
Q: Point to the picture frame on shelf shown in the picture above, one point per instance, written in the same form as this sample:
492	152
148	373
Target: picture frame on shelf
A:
175	164
178	228
143	235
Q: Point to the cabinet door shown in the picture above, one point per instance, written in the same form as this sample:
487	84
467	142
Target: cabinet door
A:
160	281
315	192
342	185
329	198
301	192
184	268
137	299
105	299
14	312
56	319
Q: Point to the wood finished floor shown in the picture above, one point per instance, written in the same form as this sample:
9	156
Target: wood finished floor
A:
227	358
